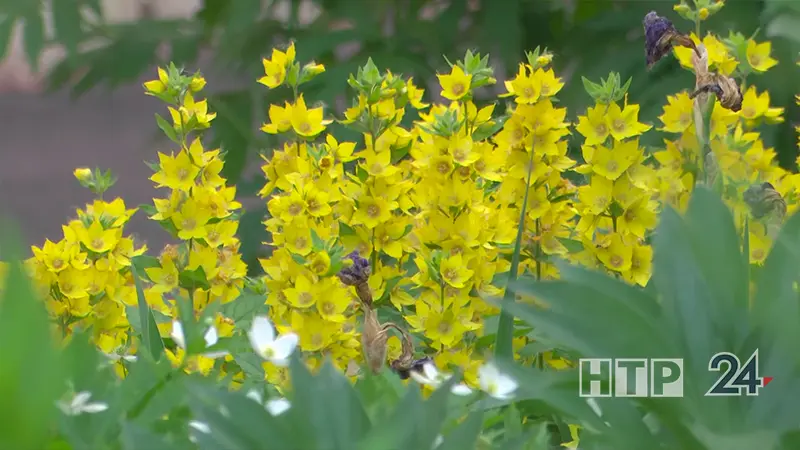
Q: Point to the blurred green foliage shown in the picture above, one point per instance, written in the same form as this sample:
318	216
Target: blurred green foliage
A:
589	37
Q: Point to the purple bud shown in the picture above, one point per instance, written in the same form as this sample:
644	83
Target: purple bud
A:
658	35
357	273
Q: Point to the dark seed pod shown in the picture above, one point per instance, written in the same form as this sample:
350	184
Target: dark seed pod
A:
660	35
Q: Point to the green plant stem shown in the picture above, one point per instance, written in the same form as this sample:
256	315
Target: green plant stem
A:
150	394
537	252
505	325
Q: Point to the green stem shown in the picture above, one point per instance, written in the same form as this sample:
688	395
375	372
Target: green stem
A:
538	250
505	326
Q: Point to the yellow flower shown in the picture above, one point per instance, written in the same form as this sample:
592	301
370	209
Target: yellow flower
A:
82	174
593	125
615	254
415	95
373	211
624	123
165	278
280	119
307	122
456	85
678	113
758	56
97	239
454	272
612	163
276	67
525	87
190	220
176	172
157	86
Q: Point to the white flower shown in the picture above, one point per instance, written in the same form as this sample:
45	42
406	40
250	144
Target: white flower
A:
431	376
438	441
80	404
595	407
202	427
275	406
495	383
114	357
262	338
210	337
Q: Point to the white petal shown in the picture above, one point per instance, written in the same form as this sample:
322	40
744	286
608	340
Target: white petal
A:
284	346
94	407
422	379
80	399
277	406
224	411
66	408
214	355
595	407
200	426
261	334
430	371
129	358
112	356
487	375
280	362
253	394
438	441
461	389
211	336
506	384
177	334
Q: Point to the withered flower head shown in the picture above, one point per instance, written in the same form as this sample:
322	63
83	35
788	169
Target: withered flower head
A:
764	200
416	366
660	34
356	274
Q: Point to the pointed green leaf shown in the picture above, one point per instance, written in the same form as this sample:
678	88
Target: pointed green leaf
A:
151	338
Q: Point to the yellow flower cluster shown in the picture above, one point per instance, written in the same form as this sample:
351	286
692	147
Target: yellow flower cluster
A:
432	196
739	156
85	277
200	211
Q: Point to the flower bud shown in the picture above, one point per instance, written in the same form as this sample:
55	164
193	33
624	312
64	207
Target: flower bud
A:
703	13
83	174
358	275
684	11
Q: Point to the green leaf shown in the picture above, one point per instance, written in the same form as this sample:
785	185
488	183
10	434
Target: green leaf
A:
486	131
716	248
67	22
31	373
33	37
329	405
6	26
167	128
151	338
194	279
465	435
135	436
245	423
245	307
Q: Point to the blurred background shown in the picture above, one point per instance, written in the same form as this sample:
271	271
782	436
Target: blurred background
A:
71	74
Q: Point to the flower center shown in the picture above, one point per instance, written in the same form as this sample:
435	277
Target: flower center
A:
449	274
443	168
182	174
528	92
373	211
619	125
616	260
295	209
305	127
612	166
376	168
328	308
545	91
58	263
305	298
601	129
97	243
300	242
458	88
749	112
685	119
188	223
444	327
